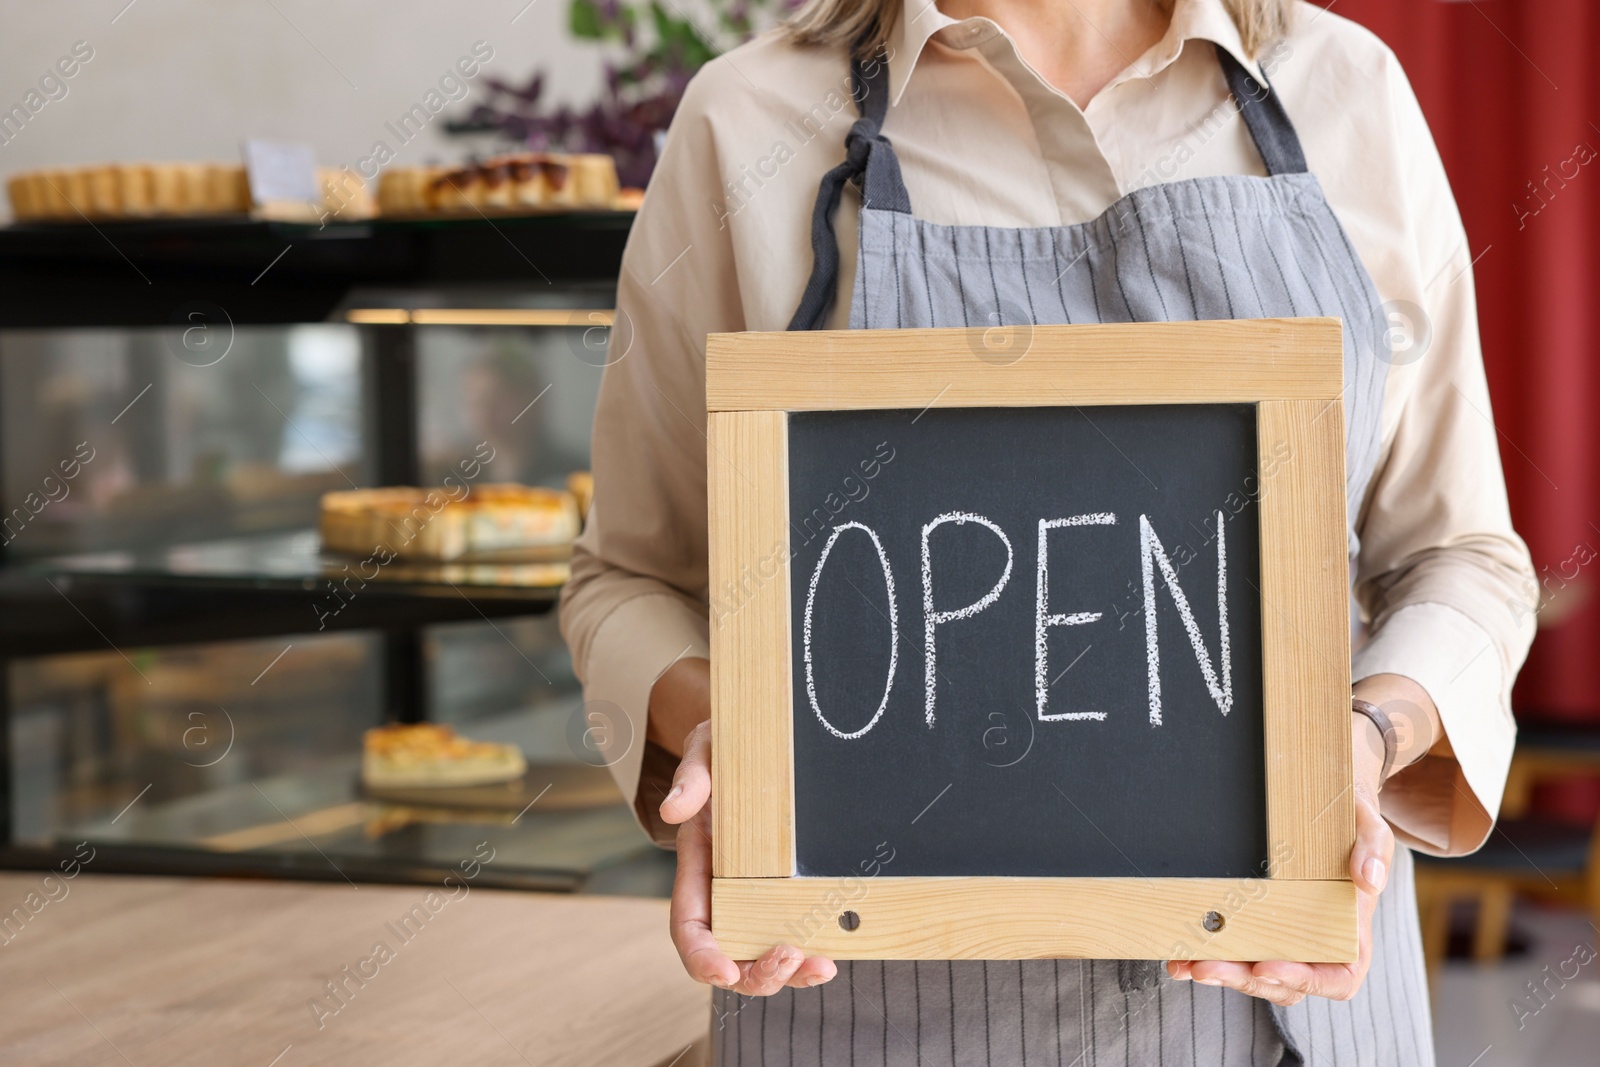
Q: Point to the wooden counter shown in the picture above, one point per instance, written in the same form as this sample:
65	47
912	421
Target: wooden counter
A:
161	971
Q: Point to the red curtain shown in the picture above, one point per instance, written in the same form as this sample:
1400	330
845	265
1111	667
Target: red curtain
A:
1510	89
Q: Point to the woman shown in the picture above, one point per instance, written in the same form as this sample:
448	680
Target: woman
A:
1089	160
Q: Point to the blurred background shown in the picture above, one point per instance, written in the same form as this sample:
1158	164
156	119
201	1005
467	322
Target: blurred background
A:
186	685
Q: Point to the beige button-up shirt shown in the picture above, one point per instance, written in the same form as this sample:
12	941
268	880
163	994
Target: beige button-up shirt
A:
1445	587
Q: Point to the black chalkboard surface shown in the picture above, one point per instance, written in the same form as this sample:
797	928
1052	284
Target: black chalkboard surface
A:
964	769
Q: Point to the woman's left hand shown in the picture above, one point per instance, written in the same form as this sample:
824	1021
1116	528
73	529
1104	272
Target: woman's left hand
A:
1287	983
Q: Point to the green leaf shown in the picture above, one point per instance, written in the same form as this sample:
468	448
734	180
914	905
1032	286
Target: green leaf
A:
667	27
587	20
679	39
584	20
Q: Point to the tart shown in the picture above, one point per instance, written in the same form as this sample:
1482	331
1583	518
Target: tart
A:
492	522
142	190
521	182
431	754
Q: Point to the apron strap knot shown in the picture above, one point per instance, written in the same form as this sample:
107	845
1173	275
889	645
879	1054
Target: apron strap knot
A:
874	168
858	144
870	165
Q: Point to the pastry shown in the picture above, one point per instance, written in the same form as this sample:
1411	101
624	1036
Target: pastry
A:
494	177
140	190
191	185
74	186
348	522
450	190
49	201
344	194
559	188
133	189
105	193
405	190
500	517
20	190
594	180
432	754
519	182
166	195
528	182
498	521
227	190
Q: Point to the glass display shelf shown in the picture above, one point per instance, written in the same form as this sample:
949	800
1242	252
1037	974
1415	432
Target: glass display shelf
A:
322	826
274	788
294	561
250	586
572	828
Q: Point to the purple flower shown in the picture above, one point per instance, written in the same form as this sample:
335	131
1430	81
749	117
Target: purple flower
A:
642	88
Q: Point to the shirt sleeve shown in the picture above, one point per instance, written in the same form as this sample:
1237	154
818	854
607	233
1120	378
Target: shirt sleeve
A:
637	599
1442	578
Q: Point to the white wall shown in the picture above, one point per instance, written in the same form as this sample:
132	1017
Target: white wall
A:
189	79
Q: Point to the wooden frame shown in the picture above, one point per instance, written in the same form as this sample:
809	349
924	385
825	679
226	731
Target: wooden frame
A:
1292	370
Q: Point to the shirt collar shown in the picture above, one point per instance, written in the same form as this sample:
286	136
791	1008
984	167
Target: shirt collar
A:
920	20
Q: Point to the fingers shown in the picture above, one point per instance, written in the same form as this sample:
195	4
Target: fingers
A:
691	784
685	805
1283	982
702	957
782	966
1373	853
1287	983
814	971
1336	981
691	909
771	972
1239	976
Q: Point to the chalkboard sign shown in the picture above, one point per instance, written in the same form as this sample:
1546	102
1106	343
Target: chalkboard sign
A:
1043	656
1051	688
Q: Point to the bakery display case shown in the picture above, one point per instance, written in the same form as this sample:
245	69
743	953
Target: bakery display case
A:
191	669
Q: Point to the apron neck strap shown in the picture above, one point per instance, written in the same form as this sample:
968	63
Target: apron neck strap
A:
1264	117
871	165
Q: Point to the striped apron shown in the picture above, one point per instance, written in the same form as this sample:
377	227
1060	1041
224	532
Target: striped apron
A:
1206	248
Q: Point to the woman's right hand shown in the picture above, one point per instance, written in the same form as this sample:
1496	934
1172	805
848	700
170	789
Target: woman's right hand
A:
688	806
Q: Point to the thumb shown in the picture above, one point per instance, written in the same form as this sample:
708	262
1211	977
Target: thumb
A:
691	784
1374	849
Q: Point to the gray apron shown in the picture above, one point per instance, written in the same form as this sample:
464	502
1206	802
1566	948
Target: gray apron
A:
1206	248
